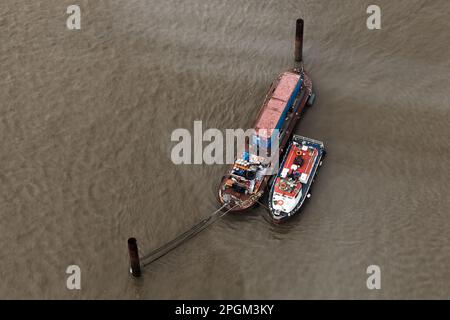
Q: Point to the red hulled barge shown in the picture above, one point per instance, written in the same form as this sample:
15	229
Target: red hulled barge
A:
247	178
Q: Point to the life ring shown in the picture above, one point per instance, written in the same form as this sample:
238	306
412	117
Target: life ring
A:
283	185
298	152
279	202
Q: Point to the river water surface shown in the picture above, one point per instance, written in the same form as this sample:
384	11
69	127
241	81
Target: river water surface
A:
85	124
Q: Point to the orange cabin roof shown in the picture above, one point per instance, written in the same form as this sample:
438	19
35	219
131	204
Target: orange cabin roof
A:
276	104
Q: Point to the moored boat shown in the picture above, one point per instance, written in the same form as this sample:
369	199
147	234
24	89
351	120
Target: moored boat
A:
297	172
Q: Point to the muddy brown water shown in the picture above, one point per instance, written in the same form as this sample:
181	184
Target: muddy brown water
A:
85	124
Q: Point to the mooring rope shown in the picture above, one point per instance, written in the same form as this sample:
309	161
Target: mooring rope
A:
169	246
263	205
